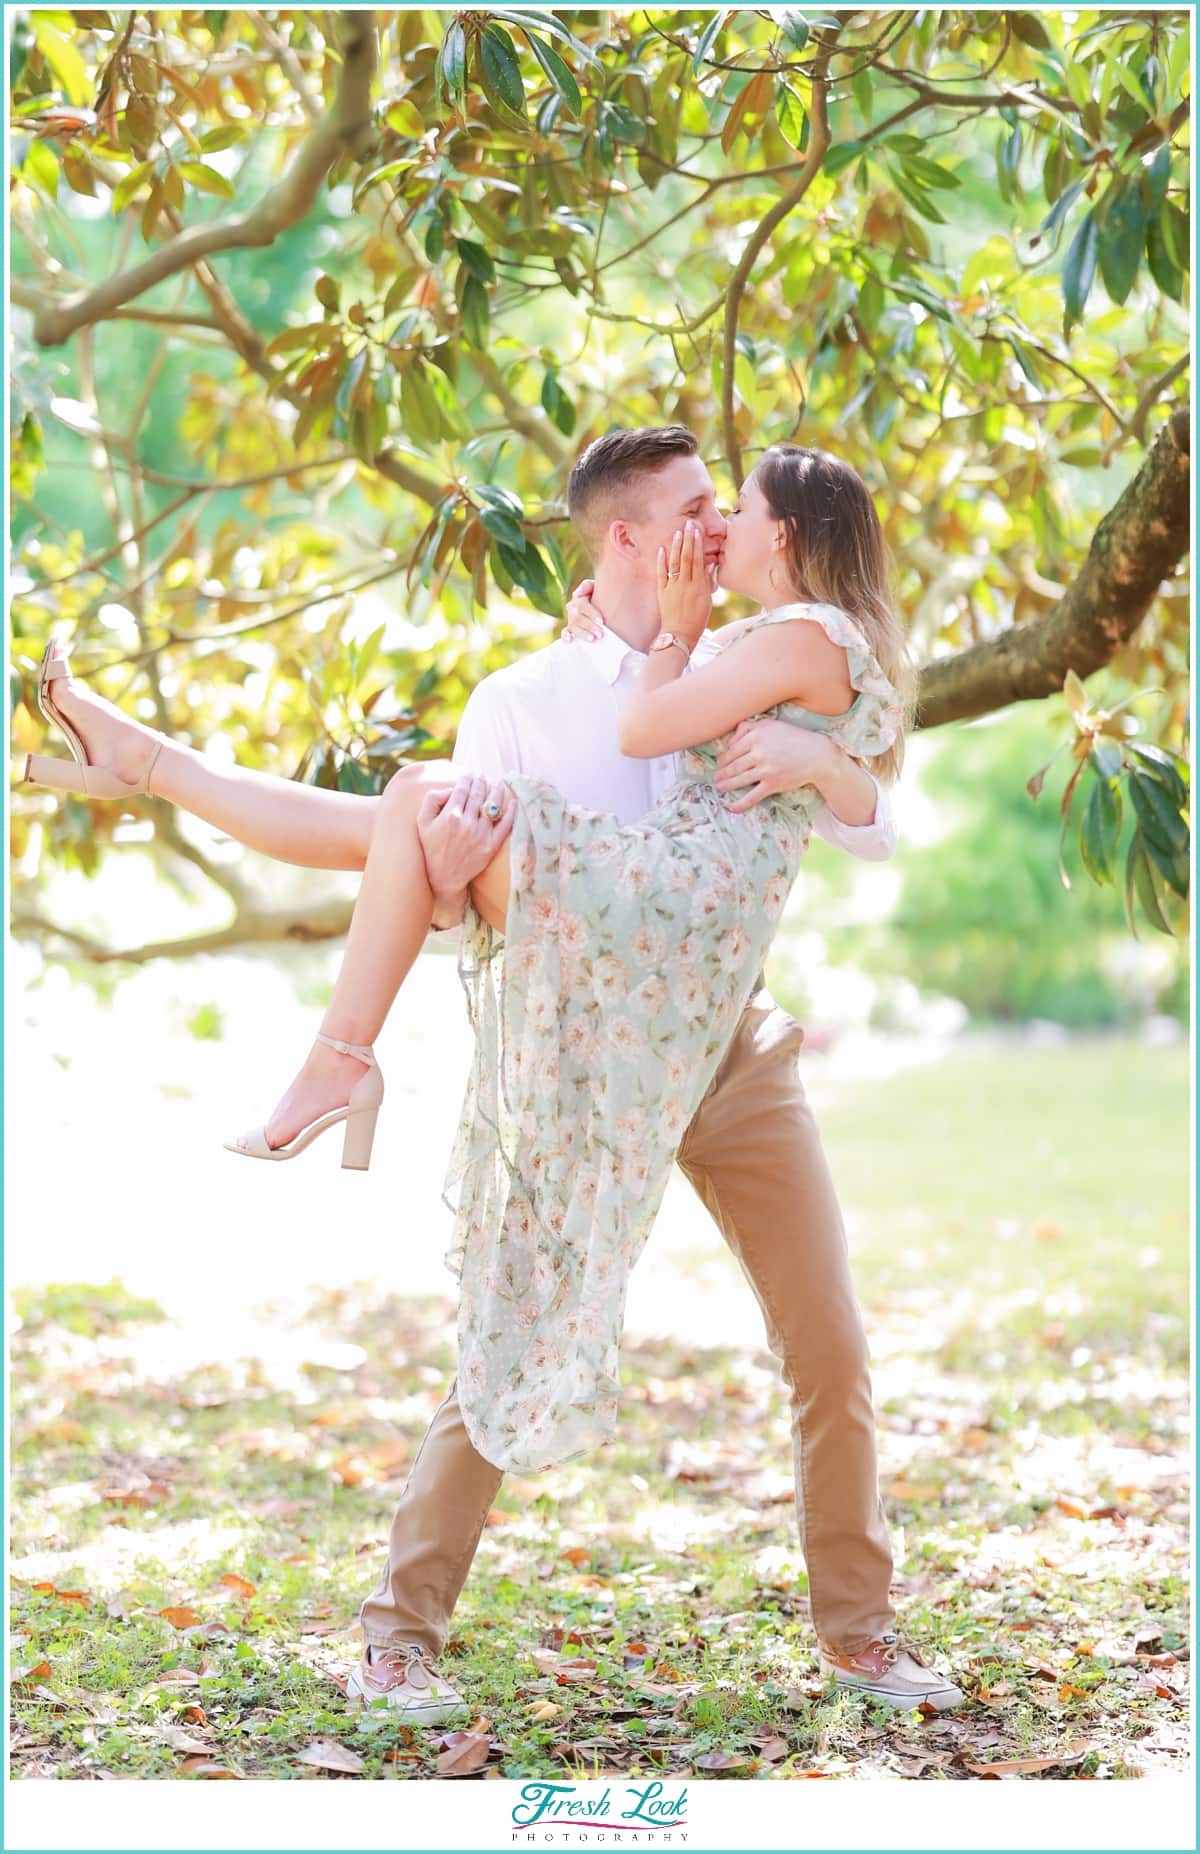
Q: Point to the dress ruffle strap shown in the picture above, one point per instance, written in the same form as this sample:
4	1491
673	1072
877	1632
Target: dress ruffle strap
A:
872	725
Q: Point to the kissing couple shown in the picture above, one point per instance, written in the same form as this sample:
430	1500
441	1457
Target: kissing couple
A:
618	905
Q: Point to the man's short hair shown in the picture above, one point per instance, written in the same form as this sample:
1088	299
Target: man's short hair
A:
599	485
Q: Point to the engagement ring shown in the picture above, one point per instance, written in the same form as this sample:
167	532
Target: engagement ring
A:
492	809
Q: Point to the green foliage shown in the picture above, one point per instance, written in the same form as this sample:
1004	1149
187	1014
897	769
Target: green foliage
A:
529	243
1157	783
983	915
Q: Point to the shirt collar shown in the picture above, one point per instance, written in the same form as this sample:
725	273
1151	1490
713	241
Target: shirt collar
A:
608	655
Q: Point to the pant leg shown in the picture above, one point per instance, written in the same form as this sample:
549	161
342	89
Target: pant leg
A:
435	1532
754	1155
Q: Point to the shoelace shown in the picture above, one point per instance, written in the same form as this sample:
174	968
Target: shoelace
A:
892	1649
402	1654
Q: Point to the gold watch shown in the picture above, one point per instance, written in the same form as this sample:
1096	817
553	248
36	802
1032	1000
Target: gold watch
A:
665	639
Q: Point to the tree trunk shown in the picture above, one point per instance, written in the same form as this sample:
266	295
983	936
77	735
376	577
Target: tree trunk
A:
1137	545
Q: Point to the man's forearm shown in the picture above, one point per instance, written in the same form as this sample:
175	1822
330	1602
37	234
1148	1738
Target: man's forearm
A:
847	789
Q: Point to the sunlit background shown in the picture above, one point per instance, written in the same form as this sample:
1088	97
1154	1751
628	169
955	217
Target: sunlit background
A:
222	1371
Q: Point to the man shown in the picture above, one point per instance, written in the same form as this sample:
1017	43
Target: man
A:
752	1152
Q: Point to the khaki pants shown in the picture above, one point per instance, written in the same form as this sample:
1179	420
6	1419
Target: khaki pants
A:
754	1156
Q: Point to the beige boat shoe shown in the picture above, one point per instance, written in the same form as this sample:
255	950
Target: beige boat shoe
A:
405	1675
887	1670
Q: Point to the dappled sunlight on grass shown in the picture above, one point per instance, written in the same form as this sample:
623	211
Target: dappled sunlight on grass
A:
200	1508
225	1579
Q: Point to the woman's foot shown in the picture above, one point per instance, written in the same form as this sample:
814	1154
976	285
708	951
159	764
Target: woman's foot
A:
110	738
324	1083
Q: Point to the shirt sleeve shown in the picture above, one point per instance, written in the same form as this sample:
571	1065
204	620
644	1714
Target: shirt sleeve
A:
487	741
874	842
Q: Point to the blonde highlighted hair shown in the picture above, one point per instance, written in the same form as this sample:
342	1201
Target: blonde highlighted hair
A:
837	555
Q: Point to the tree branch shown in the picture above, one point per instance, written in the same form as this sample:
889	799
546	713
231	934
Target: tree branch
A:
1137	545
345	126
327	920
818	143
532	424
1151	396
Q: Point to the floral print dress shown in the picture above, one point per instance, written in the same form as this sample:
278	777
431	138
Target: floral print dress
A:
600	1017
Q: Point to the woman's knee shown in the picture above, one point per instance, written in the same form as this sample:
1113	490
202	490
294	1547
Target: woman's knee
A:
409	784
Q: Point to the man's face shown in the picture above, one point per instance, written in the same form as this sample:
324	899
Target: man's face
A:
664	500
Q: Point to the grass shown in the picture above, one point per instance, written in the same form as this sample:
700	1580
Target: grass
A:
191	1541
1059	1174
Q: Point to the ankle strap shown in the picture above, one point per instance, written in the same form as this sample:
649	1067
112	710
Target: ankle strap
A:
364	1051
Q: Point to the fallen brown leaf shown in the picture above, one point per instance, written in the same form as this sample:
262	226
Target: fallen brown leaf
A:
180	1740
353	1470
148	1494
724	1760
242	1586
179	1616
391	1454
39	1671
1029	1766
574	1671
63	1429
465	1753
327	1754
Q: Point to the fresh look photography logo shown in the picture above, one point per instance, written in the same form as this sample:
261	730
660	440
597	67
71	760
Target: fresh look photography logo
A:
640	1812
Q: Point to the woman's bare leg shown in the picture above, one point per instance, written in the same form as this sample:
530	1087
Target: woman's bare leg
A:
280	817
391	920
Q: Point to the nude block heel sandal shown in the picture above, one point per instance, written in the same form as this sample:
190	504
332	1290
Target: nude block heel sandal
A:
359	1114
76	774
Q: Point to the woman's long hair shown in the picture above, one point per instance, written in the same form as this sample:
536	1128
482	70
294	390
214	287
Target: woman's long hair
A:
837	555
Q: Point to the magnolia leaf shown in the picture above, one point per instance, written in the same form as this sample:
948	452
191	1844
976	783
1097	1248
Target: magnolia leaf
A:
1079	268
206	179
558	73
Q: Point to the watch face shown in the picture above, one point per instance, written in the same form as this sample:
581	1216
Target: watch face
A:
663	641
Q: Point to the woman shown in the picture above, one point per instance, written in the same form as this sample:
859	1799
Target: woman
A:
628	954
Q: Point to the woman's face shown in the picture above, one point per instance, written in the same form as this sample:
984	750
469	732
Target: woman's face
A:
753	548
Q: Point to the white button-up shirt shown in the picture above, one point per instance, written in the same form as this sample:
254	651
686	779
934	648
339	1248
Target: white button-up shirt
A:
554	714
